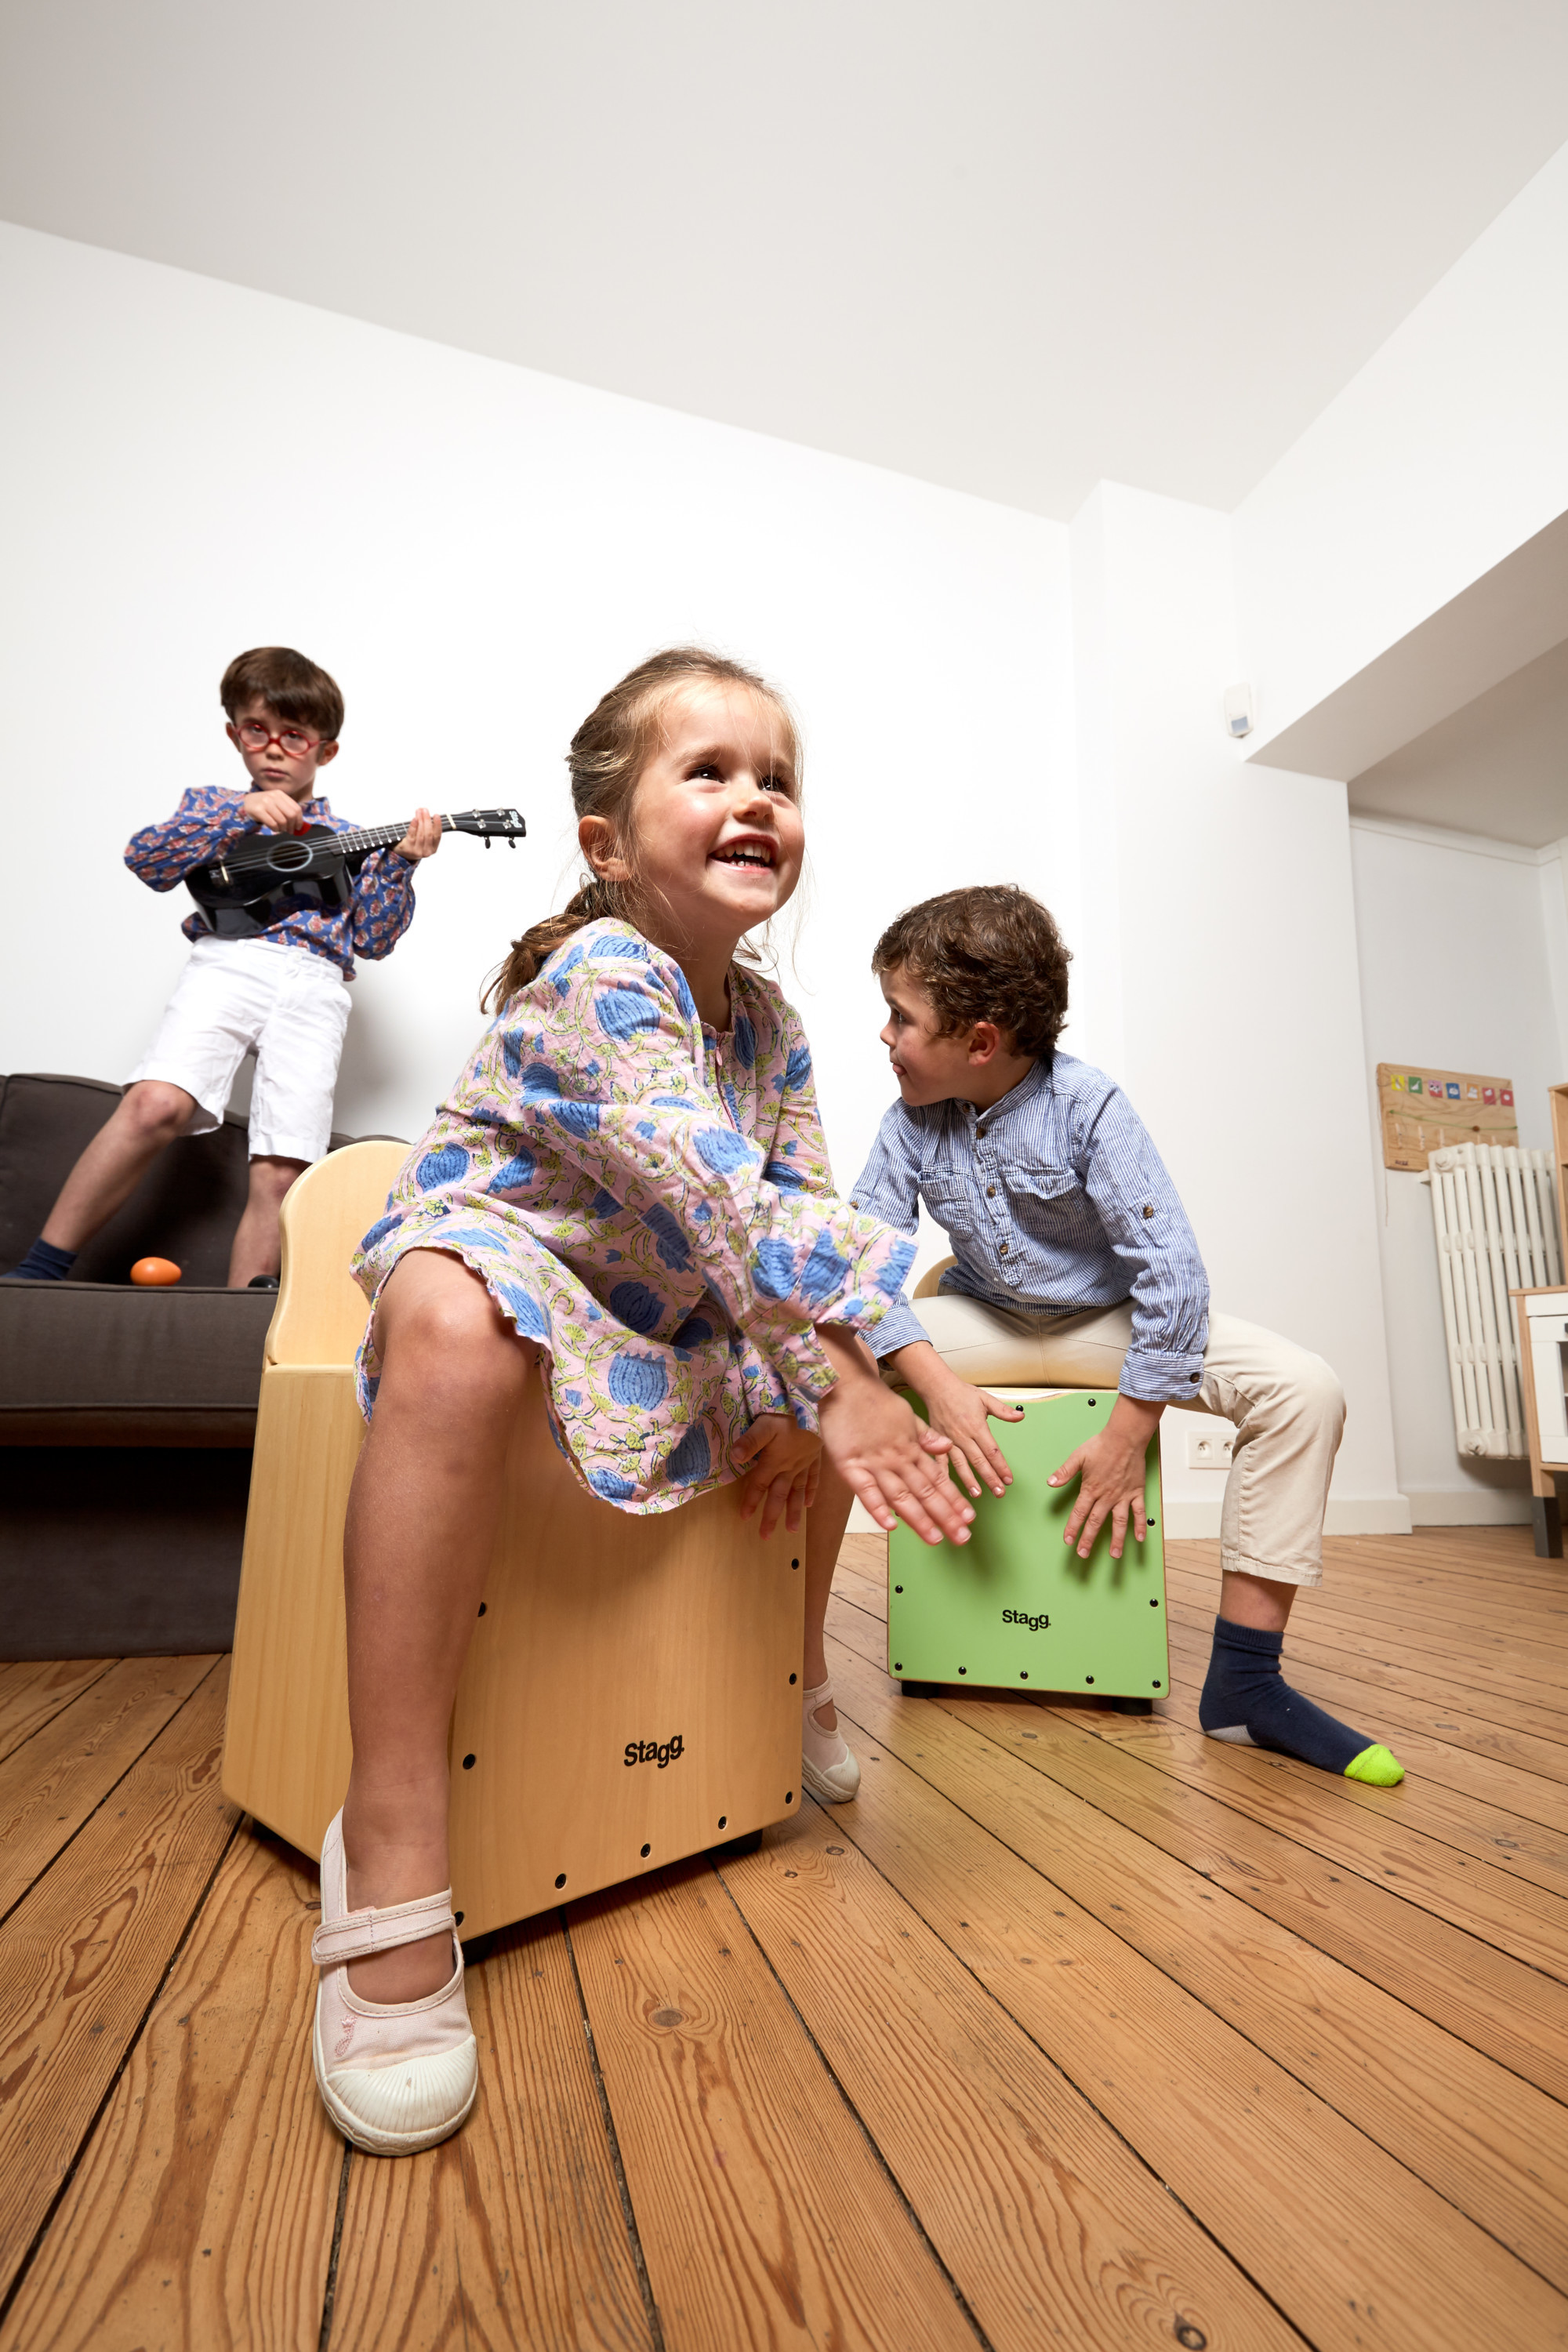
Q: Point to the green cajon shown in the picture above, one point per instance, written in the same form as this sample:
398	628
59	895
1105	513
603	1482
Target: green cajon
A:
1014	1609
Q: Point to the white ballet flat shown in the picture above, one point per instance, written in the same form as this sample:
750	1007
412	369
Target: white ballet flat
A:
395	2076
826	1766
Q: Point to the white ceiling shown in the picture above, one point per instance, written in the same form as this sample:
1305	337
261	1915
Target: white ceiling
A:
1013	245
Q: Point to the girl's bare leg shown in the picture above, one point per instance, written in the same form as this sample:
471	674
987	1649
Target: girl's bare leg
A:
421	1522
825	1523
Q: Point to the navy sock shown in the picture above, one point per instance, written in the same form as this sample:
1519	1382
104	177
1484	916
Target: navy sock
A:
1247	1699
43	1263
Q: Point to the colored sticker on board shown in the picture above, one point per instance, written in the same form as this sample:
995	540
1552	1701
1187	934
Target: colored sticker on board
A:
1453	1091
1415	1085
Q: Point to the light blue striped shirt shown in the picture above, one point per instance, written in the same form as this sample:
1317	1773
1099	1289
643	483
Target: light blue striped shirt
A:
1055	1200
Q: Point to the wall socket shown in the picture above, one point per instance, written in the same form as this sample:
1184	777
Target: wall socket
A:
1210	1448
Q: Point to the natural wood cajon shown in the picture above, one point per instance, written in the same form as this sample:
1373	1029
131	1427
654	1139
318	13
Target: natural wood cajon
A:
632	1692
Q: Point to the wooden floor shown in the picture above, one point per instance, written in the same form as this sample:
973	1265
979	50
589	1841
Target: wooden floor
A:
1075	2030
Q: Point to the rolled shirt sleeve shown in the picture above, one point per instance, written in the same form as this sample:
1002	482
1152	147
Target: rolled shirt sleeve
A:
1146	1227
382	904
888	1189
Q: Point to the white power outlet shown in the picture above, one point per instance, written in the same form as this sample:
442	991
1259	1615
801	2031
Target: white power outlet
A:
1210	1448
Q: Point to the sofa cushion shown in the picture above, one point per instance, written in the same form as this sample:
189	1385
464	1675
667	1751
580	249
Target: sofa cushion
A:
186	1208
86	1363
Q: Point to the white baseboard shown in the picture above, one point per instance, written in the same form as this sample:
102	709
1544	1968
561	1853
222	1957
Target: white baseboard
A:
861	1523
1472	1507
1370	1515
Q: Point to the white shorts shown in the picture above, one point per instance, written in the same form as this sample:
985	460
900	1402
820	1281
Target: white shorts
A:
286	1005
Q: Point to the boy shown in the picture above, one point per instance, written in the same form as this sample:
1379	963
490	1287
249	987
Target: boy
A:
280	992
1075	1266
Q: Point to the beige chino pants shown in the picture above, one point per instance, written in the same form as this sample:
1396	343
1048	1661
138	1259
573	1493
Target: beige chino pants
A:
1288	1406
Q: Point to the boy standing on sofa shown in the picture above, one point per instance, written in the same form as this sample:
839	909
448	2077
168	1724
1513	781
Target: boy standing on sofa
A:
280	992
1075	1266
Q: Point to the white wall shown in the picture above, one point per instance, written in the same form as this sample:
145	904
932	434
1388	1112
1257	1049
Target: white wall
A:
1445	453
1222	963
1457	940
476	553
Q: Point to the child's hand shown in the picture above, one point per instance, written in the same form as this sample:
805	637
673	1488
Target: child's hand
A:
275	810
959	1412
785	1462
423	838
1111	1470
898	1468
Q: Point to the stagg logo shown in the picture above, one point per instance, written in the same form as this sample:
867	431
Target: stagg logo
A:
655	1751
1022	1617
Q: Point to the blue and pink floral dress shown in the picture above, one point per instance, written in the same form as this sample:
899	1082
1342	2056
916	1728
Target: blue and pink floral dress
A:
652	1203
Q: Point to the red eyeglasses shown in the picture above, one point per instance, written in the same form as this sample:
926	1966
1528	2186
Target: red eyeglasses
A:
292	741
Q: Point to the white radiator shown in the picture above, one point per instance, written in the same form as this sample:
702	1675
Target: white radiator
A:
1496	1224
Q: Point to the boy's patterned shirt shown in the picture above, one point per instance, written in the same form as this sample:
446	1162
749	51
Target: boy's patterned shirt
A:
652	1203
381	896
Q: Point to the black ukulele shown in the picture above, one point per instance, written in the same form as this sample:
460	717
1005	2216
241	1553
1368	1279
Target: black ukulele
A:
263	876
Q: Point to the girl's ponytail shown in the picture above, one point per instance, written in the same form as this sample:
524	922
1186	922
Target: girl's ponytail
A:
608	754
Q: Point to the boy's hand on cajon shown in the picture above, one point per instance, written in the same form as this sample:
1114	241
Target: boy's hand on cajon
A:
786	1463
274	810
959	1412
1111	1469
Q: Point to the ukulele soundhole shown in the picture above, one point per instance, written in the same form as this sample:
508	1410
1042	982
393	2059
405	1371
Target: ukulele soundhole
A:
288	857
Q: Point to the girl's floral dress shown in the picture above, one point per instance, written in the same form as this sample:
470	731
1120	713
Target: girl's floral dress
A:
651	1203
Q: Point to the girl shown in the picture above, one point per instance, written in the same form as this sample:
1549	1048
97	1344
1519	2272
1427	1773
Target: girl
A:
628	1191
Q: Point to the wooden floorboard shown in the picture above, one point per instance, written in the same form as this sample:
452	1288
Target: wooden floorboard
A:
1075	2029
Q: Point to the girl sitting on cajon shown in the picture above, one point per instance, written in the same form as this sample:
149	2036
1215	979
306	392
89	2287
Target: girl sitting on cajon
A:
627	1189
1075	1266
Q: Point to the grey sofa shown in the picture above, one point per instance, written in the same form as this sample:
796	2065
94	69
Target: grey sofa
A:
126	1416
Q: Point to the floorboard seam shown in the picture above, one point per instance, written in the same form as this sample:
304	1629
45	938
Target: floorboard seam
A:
1289	2072
628	2213
878	2158
131	2039
38	1878
330	2293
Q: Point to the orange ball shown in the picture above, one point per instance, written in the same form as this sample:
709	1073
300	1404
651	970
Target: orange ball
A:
154	1272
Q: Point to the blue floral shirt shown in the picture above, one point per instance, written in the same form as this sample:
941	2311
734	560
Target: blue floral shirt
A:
381	898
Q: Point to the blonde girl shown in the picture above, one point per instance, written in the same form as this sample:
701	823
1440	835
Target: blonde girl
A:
626	1197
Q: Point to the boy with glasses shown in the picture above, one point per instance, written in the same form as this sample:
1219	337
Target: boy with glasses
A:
271	980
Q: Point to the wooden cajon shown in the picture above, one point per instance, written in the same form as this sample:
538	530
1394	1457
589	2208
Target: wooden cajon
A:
632	1691
1013	1609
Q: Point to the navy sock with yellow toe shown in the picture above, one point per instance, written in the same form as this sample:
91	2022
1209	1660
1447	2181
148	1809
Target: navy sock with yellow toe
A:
1245	1699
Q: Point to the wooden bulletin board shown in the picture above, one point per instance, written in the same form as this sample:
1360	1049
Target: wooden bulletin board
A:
1424	1109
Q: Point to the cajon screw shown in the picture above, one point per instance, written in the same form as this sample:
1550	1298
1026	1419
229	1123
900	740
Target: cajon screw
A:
724	1818
562	1880
469	1763
792	1678
483	1606
1089	1678
789	1796
645	1852
898	1587
898	1666
457	1918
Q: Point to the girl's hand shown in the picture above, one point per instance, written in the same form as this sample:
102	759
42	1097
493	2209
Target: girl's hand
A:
898	1468
1111	1469
960	1414
423	838
786	1463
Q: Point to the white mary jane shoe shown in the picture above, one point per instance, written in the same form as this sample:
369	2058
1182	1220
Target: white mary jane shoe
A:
826	1766
395	2076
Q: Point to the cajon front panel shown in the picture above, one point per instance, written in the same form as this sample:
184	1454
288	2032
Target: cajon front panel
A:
1014	1608
603	1634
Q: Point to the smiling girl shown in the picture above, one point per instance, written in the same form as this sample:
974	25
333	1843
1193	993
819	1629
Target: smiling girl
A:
627	1193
